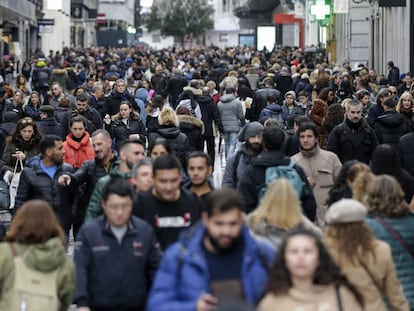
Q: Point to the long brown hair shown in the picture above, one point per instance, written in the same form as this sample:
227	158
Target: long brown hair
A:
327	272
386	197
35	222
352	241
21	124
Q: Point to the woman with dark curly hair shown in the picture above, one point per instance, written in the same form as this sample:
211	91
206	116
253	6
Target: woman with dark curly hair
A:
318	113
304	275
346	184
22	144
334	117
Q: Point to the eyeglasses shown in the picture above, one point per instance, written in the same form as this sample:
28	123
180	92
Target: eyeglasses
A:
393	93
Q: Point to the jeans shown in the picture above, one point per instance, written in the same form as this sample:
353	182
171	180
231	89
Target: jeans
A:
230	143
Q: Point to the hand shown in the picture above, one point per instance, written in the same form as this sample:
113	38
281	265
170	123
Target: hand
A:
83	309
64	180
107	119
19	155
206	302
311	181
7	177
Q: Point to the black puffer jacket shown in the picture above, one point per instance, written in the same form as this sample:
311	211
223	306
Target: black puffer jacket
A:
120	131
36	184
389	127
177	140
209	113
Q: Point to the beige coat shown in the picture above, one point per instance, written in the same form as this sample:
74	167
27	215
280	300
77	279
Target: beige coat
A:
382	269
320	298
322	167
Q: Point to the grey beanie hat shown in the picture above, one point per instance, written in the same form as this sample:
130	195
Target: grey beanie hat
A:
250	129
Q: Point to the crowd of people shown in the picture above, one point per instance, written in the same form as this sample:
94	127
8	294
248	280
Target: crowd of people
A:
115	148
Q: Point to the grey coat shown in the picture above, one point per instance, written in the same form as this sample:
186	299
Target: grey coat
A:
231	113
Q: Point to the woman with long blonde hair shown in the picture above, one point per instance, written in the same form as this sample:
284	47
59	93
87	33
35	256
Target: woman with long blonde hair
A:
405	106
279	211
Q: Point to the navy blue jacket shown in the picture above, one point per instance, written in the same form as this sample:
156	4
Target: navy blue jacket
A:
183	275
112	275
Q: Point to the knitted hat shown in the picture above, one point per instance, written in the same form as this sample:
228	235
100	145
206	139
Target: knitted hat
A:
250	129
345	211
291	93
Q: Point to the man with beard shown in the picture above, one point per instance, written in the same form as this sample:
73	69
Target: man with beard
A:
213	262
83	181
353	139
167	207
321	167
39	180
130	152
251	136
198	170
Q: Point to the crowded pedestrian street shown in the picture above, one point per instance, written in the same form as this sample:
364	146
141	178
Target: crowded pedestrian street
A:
202	155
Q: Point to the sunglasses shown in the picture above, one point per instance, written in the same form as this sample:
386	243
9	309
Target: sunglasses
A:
28	120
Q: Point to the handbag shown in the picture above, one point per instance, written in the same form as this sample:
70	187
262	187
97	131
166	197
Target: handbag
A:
14	184
395	234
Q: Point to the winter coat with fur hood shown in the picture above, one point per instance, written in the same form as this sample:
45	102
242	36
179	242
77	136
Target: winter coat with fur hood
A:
194	129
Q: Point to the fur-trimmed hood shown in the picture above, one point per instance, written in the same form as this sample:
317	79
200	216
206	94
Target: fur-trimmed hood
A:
59	72
191	120
134	115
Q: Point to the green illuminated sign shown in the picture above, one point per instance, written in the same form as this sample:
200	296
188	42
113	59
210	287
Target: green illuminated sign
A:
320	9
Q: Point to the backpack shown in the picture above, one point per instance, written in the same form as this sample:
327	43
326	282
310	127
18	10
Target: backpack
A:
31	290
283	171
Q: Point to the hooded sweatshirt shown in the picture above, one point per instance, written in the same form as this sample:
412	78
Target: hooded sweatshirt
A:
44	257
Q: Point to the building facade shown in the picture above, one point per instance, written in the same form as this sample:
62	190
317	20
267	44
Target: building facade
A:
375	32
18	27
115	18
